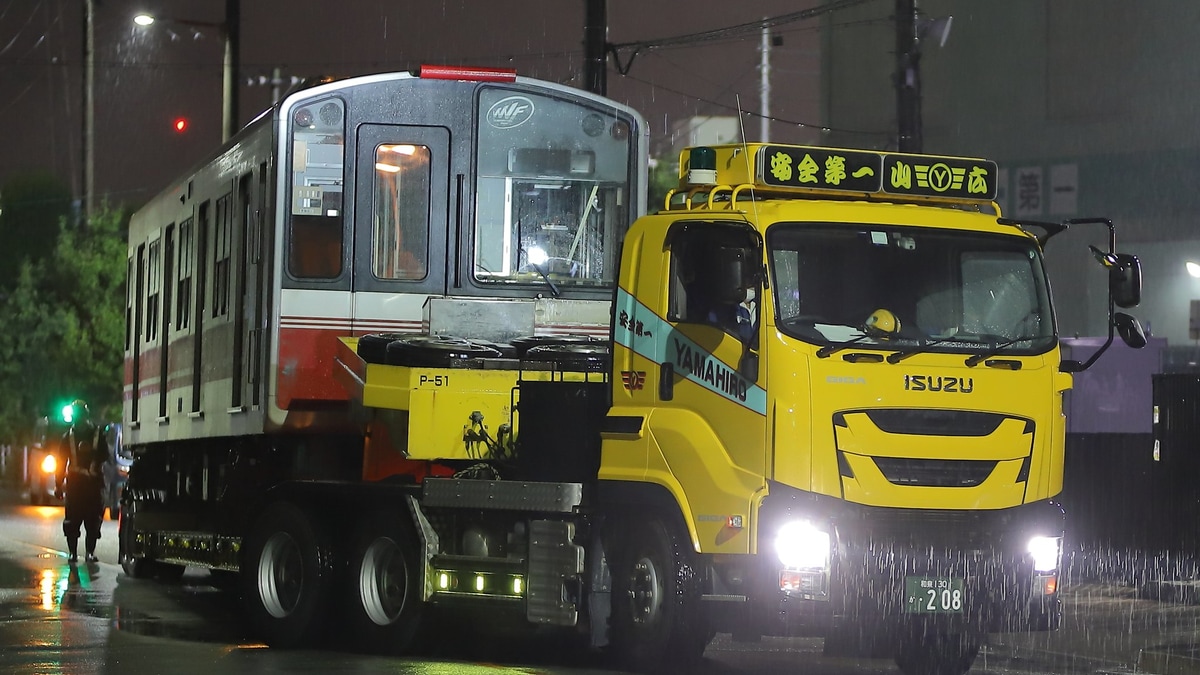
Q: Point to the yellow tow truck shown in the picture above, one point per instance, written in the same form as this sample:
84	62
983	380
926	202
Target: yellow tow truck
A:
832	404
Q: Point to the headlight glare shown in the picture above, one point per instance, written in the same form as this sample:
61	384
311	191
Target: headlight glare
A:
1045	552
800	545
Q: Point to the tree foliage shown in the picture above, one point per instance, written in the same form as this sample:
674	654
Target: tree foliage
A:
33	206
663	177
63	336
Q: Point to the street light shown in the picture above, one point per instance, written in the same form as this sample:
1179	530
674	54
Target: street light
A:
230	33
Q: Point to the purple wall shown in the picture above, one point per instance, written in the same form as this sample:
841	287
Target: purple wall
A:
1116	394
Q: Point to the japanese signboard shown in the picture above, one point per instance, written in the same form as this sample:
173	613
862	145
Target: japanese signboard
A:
891	173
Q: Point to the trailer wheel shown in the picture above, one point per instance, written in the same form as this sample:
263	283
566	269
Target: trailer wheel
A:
285	575
657	622
937	654
385	597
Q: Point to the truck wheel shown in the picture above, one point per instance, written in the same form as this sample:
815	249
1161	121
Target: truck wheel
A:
385	597
657	621
937	654
285	575
137	568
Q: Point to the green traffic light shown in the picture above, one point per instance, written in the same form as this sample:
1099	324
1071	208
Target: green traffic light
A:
68	413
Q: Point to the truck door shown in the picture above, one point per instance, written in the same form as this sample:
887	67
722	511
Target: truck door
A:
711	383
401	224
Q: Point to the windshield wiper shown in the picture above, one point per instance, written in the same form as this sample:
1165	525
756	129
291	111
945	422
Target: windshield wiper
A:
900	355
975	360
546	277
830	350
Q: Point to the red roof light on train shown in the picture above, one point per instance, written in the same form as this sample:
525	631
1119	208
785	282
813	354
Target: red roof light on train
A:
468	73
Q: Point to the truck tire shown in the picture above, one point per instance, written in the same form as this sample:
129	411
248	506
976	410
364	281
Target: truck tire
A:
286	578
436	351
136	568
385	598
372	347
937	654
657	621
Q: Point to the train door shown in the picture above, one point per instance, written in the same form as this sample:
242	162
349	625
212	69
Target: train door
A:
250	306
401	225
164	361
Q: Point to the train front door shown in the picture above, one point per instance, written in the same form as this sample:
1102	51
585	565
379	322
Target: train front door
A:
402	230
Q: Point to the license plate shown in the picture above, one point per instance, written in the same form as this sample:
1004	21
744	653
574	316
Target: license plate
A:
933	595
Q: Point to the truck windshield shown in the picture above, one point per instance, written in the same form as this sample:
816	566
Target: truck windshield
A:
553	193
948	291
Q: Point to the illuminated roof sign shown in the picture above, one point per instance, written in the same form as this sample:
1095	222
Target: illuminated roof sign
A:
858	171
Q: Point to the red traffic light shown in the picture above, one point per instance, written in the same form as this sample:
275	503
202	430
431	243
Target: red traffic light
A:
180	125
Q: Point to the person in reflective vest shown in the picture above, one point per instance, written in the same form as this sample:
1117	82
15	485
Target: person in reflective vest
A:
83	476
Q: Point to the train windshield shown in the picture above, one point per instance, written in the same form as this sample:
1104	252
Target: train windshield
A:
948	291
553	192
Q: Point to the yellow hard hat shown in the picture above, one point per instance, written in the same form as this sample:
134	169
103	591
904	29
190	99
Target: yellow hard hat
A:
882	322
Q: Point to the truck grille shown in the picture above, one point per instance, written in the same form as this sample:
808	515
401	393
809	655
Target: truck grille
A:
935	472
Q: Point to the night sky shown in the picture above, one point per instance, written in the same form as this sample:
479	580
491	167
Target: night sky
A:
146	77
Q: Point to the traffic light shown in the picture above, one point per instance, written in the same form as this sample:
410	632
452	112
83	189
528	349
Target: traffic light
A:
68	413
180	125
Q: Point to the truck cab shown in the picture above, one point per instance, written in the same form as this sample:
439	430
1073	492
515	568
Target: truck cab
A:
843	367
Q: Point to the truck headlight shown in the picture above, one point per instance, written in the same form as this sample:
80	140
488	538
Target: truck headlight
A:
1045	552
800	545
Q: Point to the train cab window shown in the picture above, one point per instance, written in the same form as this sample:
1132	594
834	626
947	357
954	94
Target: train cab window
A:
553	191
316	232
400	212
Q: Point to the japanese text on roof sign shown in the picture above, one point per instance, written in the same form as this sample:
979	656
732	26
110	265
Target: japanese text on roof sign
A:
891	173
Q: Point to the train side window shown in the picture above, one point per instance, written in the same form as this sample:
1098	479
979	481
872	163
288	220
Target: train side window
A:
222	256
186	259
400	212
154	278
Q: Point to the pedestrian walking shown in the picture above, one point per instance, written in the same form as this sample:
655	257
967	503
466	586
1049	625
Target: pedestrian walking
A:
83	481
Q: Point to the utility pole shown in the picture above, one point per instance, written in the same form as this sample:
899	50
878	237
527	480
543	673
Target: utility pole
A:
89	110
764	87
595	46
908	78
230	76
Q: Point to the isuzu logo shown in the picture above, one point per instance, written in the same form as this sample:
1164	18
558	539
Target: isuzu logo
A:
949	385
509	112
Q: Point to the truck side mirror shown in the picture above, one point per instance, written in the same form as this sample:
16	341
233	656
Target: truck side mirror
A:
1125	281
1130	330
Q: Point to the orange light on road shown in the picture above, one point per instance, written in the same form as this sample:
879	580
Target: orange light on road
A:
49	464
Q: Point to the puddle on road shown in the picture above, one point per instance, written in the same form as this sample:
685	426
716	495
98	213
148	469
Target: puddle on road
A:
52	587
194	630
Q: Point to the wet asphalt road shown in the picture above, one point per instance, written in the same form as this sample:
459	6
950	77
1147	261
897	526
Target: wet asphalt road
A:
62	619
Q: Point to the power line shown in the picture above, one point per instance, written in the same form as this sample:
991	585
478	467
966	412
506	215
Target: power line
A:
823	128
722	33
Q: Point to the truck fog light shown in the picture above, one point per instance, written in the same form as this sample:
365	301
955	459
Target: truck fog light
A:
800	545
1045	552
